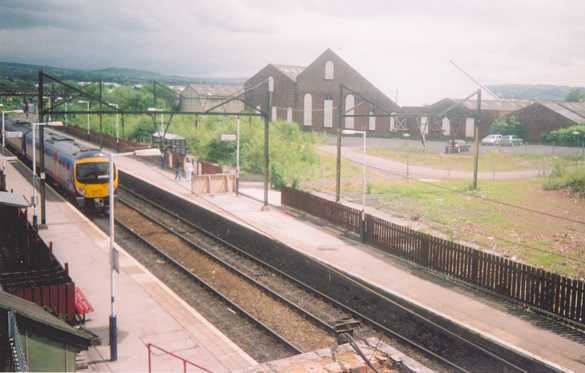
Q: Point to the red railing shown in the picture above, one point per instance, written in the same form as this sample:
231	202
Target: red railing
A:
150	346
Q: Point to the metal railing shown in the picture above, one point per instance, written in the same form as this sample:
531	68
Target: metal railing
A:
150	346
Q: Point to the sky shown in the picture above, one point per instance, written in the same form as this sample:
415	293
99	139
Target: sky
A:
403	47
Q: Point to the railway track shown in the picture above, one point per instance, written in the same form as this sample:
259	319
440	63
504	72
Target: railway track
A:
314	307
260	333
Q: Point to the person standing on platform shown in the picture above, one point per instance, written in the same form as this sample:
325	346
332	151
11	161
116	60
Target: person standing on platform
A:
178	171
188	169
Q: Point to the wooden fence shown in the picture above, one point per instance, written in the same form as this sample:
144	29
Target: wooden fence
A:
103	139
544	290
34	273
346	217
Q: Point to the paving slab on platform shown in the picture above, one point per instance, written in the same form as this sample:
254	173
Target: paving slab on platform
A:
533	335
147	311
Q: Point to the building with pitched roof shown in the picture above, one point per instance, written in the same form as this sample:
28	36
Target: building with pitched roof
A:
310	95
201	97
540	118
32	339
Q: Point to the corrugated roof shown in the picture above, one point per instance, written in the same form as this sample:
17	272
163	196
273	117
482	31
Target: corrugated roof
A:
290	70
503	105
561	109
575	107
210	90
34	312
12	200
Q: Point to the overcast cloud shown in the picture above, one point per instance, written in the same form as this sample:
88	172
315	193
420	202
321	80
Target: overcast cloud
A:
397	45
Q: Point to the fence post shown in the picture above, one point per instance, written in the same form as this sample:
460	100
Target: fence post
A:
363	230
425	250
475	267
149	362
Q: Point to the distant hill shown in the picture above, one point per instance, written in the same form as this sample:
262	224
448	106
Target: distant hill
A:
533	92
20	71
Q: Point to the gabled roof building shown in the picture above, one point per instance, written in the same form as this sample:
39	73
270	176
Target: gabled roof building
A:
540	118
310	95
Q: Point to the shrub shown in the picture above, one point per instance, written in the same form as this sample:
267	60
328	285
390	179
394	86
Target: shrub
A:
566	136
567	177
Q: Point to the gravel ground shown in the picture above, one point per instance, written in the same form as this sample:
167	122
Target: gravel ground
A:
286	322
268	278
259	344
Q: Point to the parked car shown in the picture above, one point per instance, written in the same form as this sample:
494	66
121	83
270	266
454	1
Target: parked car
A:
457	146
511	140
492	140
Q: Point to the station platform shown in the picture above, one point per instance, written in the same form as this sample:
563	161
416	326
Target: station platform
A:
534	335
147	310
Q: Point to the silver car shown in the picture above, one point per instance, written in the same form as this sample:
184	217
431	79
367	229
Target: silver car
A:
511	140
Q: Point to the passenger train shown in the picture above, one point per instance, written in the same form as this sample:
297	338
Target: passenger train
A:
79	169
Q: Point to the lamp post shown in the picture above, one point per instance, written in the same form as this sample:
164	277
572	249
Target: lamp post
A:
86	102
113	326
364	175
3	128
34	162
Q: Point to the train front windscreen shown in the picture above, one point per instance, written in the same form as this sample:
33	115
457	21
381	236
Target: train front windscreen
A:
93	173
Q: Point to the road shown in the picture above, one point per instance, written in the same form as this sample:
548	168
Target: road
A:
435	146
397	170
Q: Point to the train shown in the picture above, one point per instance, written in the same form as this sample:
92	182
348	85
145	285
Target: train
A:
78	169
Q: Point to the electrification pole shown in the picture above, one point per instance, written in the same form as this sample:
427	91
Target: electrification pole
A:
267	119
42	150
340	111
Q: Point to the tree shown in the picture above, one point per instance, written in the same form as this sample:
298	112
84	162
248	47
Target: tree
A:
508	126
575	95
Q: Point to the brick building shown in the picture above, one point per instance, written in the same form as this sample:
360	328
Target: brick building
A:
460	121
310	95
543	117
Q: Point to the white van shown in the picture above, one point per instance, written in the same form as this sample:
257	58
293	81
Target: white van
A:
492	140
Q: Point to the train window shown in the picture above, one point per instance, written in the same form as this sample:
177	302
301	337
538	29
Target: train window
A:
93	173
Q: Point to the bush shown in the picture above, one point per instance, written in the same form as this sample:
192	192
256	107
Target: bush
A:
563	177
566	136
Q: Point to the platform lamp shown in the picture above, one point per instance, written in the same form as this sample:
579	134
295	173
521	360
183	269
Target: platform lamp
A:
114	267
364	175
34	165
3	128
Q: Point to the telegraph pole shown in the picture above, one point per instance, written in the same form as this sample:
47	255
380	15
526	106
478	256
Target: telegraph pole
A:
340	111
476	133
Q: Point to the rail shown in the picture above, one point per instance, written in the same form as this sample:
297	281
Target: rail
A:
462	349
150	346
